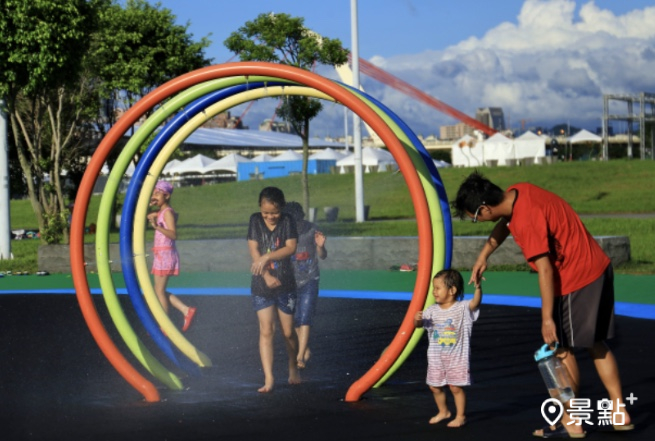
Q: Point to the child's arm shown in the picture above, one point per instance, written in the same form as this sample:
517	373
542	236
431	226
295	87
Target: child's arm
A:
418	319
477	297
321	251
259	261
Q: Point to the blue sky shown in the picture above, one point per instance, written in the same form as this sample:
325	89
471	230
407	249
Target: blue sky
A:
543	61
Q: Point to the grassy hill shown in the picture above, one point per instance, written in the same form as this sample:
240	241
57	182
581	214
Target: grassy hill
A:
602	189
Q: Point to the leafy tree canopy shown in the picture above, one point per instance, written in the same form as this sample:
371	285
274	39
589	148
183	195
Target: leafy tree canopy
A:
280	38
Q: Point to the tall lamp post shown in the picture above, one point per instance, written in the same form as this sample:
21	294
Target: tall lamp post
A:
357	126
5	219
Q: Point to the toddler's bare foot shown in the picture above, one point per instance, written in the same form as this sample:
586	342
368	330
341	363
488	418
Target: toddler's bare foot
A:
300	363
457	422
439	417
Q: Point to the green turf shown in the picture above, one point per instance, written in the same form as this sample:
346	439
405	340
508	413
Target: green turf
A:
629	288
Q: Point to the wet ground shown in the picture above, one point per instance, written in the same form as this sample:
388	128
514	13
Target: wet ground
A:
57	385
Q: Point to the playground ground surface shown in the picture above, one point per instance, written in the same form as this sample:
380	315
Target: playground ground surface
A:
57	385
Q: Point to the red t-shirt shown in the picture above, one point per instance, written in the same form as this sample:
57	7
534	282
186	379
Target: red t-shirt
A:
543	222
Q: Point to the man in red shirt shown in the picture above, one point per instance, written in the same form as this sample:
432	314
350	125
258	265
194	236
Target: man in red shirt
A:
575	277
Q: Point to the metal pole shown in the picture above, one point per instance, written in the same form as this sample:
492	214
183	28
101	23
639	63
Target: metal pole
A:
357	130
5	219
345	129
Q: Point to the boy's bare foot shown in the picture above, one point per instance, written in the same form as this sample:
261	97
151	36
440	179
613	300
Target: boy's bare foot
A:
302	360
268	385
294	377
457	422
439	417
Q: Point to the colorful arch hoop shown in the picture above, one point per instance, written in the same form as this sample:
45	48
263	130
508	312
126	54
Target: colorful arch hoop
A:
419	173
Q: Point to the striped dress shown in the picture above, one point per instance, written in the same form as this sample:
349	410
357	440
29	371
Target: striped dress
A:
449	335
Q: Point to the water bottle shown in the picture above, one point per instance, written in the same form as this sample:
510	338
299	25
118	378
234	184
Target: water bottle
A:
554	374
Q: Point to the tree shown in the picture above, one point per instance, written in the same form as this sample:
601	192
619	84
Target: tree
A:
42	44
60	63
138	48
280	38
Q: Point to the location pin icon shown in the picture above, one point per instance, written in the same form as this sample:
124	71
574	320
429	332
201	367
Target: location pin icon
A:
552	410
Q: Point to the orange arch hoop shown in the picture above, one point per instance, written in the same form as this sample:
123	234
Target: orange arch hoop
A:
302	77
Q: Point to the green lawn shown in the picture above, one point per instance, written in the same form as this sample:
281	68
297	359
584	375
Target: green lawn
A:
222	210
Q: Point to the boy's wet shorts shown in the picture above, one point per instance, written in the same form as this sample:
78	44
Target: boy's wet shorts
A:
285	302
306	303
586	316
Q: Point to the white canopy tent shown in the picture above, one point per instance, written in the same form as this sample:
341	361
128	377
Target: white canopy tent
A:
227	163
441	164
195	164
264	157
467	151
498	149
372	159
128	172
329	154
584	136
289	155
530	146
170	164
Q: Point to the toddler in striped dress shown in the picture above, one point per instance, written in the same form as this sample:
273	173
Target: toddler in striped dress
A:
448	324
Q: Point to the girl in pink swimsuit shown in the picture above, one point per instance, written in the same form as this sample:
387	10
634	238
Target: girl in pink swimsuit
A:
166	260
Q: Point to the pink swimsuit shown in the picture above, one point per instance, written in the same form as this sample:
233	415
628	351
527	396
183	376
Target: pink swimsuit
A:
166	259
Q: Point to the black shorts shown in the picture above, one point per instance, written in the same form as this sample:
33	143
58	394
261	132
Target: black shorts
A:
586	316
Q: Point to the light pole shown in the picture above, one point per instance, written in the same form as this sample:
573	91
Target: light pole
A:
357	127
5	219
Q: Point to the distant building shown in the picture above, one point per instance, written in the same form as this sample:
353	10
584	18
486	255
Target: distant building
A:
225	120
492	117
456	131
269	125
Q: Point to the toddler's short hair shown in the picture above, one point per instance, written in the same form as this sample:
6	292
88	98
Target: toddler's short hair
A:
452	278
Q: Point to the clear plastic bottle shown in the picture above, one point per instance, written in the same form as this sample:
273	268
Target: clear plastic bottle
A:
554	374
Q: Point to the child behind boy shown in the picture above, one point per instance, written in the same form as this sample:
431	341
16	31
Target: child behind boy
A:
448	324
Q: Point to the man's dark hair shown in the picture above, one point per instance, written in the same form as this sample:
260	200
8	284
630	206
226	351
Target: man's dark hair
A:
274	195
476	190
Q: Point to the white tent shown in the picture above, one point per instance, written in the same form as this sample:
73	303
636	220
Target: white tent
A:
329	154
441	164
170	164
530	146
372	159
467	152
195	164
498	149
584	136
227	163
264	157
289	155
129	172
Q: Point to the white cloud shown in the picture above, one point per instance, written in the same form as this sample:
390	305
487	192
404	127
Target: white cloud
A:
550	66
